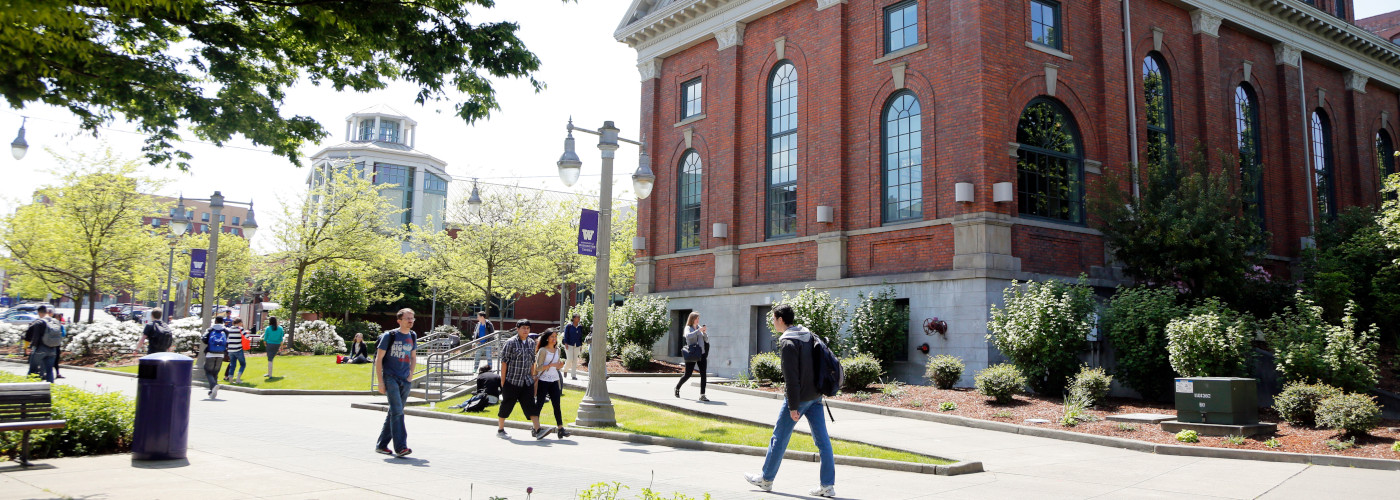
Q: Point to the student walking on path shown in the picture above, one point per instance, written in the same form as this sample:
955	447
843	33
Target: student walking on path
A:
236	356
394	361
156	336
272	338
549	382
517	365
800	398
573	345
216	342
483	329
695	339
45	338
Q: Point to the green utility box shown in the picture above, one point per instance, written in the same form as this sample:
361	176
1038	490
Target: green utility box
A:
1217	400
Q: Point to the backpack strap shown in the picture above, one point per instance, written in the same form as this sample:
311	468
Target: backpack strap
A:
828	410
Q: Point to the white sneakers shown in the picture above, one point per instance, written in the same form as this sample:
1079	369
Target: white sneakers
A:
766	485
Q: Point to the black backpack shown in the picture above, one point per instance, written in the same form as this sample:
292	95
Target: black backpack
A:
826	368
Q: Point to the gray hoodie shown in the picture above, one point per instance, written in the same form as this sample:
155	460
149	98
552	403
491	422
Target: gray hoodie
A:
799	379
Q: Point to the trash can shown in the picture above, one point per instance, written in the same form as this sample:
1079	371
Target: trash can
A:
162	427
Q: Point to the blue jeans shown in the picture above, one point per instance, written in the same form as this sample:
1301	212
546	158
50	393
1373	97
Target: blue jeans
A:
42	361
483	351
393	423
236	358
812	411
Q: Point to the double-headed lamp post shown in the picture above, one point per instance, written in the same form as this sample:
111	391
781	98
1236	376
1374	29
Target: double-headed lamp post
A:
178	225
250	226
596	409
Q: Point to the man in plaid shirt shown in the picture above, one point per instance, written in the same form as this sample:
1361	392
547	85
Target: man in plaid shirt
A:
518	381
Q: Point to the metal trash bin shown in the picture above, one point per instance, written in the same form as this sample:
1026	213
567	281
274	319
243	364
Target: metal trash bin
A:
162	427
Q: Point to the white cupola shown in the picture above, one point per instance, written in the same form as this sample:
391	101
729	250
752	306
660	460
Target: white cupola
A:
381	124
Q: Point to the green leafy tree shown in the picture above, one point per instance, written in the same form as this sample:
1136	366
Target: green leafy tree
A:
331	290
84	235
1186	229
1135	322
1042	328
878	327
641	320
224	66
339	221
1211	341
235	266
1352	262
821	313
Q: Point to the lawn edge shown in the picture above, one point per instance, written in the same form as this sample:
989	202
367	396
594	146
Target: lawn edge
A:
953	469
223	387
1094	439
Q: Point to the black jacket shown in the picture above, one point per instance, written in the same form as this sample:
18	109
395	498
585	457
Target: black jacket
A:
799	378
489	383
359	349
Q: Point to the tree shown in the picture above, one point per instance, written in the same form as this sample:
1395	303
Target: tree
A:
1042	328
223	66
821	313
559	248
878	326
622	271
334	290
1186	229
341	220
235	266
85	235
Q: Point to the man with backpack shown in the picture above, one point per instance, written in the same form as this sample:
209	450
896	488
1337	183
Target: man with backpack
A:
157	336
803	358
45	337
217	341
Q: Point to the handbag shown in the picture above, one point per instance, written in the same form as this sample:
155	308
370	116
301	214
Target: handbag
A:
692	352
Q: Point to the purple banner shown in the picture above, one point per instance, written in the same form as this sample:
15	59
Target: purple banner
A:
197	262
588	233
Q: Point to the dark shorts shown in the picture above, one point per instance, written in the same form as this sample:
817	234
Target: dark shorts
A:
272	350
524	394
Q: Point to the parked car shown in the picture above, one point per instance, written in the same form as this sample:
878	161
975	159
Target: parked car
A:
20	317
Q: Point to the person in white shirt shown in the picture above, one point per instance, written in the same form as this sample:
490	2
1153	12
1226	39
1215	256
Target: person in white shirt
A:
549	381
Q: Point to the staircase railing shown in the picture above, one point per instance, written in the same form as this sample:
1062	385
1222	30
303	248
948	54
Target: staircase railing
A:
447	371
427	344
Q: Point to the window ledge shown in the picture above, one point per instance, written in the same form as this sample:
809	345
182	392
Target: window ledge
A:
901	53
690	120
1049	50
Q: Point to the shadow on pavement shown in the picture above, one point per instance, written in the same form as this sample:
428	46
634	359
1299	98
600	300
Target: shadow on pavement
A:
31	466
160	464
416	462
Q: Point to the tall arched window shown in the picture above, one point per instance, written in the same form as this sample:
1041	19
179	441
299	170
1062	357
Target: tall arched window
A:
782	151
1050	163
688	219
902	177
1247	140
1385	155
1323	175
1157	93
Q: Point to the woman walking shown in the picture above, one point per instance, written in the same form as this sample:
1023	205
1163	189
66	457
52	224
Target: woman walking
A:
272	338
695	338
237	359
549	381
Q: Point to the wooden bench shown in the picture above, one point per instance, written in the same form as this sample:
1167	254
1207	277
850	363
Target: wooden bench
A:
25	407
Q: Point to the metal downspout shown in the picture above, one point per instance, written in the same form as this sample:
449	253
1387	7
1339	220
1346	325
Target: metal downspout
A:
1307	148
1132	98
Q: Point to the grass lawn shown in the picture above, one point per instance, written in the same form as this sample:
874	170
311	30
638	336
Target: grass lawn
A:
297	372
650	420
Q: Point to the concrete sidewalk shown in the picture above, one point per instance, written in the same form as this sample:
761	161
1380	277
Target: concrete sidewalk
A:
1034	467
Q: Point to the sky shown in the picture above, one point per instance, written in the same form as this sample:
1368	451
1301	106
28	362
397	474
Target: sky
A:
590	77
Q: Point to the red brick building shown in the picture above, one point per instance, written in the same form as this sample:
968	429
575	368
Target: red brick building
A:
1386	25
944	147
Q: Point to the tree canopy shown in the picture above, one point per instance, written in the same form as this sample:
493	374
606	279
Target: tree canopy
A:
223	66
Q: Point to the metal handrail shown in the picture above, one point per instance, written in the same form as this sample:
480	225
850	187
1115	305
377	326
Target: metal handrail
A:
437	369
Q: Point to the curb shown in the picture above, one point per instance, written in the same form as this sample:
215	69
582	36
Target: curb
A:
953	469
1114	442
231	388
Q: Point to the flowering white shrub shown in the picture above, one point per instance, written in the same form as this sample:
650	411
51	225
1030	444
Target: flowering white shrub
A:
1212	341
103	338
317	337
10	334
188	335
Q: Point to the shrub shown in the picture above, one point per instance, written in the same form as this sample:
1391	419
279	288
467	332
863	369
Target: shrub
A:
1352	262
188	335
861	371
1212	341
1090	386
1003	414
947	406
98	423
10	334
1000	382
944	370
1307	348
1188	436
1395	447
317	337
1135	322
1350	413
1074	414
1234	440
821	313
1273	443
641	320
635	357
1125	427
369	329
880	326
1298	402
584	310
1042	328
103	338
766	366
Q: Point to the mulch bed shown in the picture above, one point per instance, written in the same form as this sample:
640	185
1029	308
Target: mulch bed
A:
973	405
615	366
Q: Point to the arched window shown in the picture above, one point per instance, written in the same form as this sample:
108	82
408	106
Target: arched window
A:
1050	163
1323	175
688	219
1385	155
903	159
782	151
1247	140
1157	93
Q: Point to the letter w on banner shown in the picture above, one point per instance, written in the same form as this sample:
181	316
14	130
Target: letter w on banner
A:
588	232
197	262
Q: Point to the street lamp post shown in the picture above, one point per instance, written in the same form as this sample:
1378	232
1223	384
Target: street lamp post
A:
216	203
178	224
596	409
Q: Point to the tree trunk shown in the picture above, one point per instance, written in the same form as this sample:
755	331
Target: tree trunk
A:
77	308
92	295
296	304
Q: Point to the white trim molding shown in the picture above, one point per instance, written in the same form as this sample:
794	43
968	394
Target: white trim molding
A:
650	68
730	36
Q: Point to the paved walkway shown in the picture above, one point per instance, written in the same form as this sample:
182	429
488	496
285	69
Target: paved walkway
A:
1031	467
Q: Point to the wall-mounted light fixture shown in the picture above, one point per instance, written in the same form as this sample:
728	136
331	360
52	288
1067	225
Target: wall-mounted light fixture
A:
963	193
1003	192
719	230
826	214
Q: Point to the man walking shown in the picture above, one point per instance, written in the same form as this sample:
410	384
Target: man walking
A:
517	365
483	330
156	337
573	345
801	398
45	337
395	362
216	347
